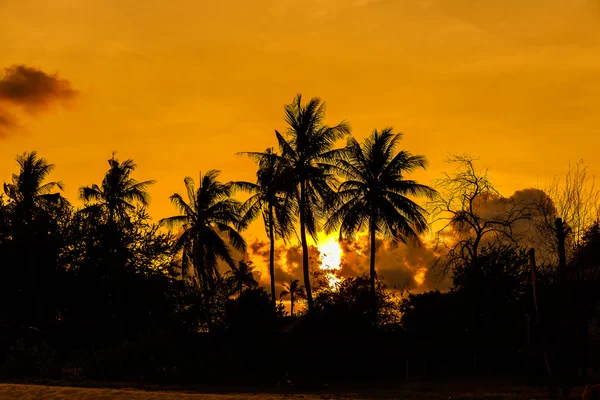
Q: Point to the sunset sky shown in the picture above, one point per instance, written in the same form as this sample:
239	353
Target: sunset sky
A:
180	86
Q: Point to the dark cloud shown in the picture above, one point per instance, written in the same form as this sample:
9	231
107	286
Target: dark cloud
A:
288	261
536	232
401	266
531	213
31	90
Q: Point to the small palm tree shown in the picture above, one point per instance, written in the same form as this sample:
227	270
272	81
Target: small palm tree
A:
209	214
309	150
376	194
242	276
295	291
27	190
117	194
271	197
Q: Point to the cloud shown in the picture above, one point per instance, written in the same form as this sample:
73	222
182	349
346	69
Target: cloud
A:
402	266
530	212
31	90
288	261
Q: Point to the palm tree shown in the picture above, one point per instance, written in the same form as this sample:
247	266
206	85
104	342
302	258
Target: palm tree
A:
308	150
375	193
209	214
242	276
118	192
295	291
28	191
33	211
270	196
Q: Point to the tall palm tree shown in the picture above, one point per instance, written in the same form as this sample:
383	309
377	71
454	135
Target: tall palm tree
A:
209	214
27	190
295	291
309	150
376	194
242	276
270	196
118	193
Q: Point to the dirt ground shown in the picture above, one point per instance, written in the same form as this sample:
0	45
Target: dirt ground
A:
408	392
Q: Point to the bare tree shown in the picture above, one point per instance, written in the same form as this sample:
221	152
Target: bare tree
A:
576	201
471	212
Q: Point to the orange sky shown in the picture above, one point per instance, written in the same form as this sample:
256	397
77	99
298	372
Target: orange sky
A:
180	86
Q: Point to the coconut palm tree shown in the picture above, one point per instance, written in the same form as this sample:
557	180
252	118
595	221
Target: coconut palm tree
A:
242	276
295	291
271	197
376	194
308	149
27	190
209	215
118	193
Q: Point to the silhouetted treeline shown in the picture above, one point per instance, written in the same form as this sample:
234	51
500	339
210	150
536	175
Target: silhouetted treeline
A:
101	291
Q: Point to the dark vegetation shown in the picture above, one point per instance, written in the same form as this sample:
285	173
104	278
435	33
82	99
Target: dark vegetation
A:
102	292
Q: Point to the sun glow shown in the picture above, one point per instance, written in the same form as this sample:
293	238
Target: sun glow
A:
419	276
331	259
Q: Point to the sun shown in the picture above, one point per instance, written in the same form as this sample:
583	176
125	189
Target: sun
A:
331	259
331	253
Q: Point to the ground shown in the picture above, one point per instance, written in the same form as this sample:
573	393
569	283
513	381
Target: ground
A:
433	391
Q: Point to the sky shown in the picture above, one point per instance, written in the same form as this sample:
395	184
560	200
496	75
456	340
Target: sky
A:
181	86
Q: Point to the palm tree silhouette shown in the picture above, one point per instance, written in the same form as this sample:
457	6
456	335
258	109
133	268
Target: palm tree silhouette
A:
242	276
209	214
33	205
308	151
375	192
27	189
118	192
295	291
270	196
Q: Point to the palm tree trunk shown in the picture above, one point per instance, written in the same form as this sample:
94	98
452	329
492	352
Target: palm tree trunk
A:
372	260
305	247
37	306
272	257
200	271
292	306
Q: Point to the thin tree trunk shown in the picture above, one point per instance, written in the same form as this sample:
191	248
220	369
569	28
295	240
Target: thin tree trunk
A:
561	236
292	306
200	270
272	257
372	260
305	248
564	348
533	269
